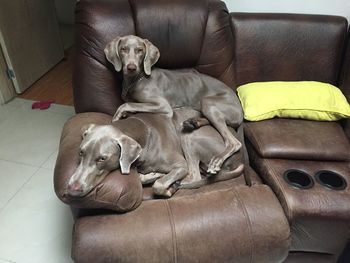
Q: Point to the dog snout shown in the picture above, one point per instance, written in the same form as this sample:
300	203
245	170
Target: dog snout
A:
131	67
75	189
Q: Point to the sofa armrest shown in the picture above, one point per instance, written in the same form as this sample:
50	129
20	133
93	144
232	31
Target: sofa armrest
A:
117	192
298	139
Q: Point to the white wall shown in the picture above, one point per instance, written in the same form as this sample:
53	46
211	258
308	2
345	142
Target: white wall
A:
329	7
65	8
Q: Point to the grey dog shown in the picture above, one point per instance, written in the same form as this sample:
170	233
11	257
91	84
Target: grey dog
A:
160	90
154	144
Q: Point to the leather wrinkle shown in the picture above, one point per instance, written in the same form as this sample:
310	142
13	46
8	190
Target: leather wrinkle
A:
233	54
289	212
86	53
173	230
341	55
203	35
132	8
249	223
253	138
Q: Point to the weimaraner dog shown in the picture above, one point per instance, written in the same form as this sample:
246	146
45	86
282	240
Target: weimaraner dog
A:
154	144
164	90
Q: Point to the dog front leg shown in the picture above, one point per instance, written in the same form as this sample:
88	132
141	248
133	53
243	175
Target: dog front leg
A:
151	107
167	186
150	177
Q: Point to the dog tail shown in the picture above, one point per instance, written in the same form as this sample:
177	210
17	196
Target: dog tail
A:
226	175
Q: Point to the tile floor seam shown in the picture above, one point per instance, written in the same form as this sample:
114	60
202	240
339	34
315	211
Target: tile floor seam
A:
20	163
43	163
19	190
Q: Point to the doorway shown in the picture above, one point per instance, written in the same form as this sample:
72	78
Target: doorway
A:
30	40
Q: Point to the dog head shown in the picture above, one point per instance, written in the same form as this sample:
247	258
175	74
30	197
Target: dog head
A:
132	54
104	148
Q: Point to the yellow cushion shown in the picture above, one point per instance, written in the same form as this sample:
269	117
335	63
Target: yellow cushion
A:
309	100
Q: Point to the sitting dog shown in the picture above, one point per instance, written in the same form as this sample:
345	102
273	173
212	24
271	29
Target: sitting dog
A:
153	144
164	90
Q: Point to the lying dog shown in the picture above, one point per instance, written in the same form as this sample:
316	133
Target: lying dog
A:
164	90
153	144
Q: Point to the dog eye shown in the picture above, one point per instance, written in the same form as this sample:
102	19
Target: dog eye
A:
102	159
139	50
81	153
123	49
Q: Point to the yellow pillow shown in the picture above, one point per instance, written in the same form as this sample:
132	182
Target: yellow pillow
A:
309	100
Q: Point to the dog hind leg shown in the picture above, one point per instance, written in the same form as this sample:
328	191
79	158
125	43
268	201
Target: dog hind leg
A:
219	112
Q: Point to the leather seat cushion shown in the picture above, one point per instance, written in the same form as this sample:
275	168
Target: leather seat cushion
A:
298	139
234	224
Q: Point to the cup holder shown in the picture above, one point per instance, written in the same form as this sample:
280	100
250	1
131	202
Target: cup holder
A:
298	179
331	180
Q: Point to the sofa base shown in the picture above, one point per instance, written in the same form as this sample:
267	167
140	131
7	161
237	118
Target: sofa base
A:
234	224
307	257
319	216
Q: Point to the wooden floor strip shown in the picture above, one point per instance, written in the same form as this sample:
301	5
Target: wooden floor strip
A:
55	85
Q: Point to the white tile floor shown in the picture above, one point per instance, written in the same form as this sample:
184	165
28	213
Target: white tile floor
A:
34	225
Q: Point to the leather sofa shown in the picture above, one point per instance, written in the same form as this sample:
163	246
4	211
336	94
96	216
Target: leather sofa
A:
270	221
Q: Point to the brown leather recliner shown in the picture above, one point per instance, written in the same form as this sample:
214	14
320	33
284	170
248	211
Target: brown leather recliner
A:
222	222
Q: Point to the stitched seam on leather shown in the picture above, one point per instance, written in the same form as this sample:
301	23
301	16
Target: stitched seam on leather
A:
133	16
289	210
233	62
255	142
234	57
173	233
249	223
341	62
203	36
226	69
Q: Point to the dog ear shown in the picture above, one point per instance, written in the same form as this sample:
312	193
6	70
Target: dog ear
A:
112	55
130	150
87	129
151	57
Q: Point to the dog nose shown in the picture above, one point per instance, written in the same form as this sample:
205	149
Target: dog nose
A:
131	67
75	188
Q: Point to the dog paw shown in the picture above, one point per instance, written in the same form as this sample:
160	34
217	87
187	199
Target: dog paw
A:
215	165
116	117
187	180
160	189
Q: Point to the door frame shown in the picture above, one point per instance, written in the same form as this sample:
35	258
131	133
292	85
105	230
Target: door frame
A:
8	61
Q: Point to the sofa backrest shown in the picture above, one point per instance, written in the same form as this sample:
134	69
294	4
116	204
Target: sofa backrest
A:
344	82
189	34
271	47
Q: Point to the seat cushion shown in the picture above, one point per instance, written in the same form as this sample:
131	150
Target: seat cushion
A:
298	139
234	224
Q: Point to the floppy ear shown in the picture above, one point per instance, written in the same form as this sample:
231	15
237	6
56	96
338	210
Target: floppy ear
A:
129	151
151	57
86	129
112	55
